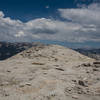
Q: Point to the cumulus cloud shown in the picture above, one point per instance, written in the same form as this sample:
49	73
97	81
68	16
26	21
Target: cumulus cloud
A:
20	34
1	14
87	18
80	25
87	15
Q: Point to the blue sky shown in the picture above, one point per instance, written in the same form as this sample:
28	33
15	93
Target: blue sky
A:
74	23
26	10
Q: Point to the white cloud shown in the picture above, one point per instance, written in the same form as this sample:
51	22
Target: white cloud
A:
87	18
88	15
83	25
1	14
20	33
47	7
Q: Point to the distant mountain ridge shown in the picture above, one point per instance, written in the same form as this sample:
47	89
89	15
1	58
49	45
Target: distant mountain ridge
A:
93	53
8	49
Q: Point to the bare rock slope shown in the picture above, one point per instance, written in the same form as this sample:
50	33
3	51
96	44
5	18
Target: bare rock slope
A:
49	72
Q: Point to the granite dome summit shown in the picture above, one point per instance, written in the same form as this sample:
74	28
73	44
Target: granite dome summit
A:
48	72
